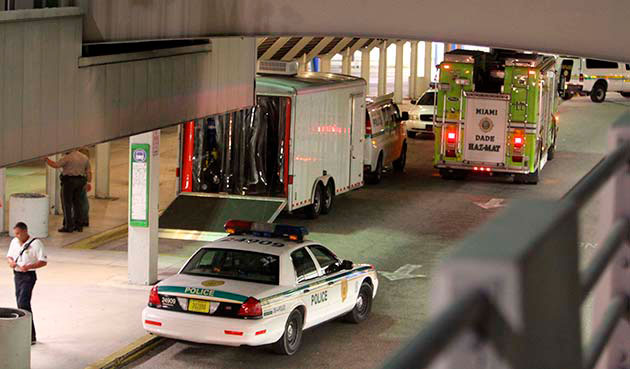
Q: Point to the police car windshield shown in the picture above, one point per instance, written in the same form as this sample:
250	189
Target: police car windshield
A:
427	99
235	264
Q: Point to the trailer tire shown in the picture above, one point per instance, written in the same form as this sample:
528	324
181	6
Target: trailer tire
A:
329	197
598	94
313	210
399	164
376	176
625	94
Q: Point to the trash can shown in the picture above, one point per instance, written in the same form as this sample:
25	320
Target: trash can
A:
32	209
15	338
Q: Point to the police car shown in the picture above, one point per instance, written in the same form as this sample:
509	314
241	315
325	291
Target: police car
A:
262	284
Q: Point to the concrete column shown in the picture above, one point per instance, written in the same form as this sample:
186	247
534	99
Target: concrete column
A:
428	67
413	64
346	62
144	182
53	188
365	65
3	197
382	69
398	74
325	63
101	172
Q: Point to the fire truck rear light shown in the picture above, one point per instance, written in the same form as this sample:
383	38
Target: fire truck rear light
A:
518	141
517	159
450	153
451	136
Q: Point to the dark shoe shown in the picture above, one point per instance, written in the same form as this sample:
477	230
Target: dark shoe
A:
78	229
64	230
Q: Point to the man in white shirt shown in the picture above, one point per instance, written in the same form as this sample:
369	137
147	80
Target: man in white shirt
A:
25	255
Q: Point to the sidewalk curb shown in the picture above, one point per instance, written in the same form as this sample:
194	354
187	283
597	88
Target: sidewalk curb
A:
128	354
99	239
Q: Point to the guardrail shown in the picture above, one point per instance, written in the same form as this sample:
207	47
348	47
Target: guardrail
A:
510	296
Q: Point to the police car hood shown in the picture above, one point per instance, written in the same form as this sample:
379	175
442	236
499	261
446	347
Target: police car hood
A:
217	289
425	109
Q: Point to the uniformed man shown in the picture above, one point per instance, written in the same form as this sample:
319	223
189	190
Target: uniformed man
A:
25	255
76	175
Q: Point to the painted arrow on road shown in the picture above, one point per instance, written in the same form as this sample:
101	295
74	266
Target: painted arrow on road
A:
404	272
491	204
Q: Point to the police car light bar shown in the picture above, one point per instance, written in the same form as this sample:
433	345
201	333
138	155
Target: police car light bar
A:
294	233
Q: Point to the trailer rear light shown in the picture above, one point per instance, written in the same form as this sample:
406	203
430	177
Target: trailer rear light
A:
368	125
250	308
581	77
154	298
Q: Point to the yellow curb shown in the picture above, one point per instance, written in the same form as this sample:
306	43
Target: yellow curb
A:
99	239
128	354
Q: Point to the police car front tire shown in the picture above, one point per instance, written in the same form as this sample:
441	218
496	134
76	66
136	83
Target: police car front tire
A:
363	305
290	341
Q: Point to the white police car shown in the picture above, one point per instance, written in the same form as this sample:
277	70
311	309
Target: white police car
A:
260	285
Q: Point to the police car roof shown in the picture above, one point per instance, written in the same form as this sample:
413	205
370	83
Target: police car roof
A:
268	245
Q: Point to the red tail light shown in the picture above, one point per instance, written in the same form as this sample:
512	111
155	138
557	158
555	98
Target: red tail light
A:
518	142
154	298
368	125
581	77
450	137
250	308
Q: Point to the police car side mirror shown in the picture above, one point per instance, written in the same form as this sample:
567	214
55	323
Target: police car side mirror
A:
332	268
413	102
347	264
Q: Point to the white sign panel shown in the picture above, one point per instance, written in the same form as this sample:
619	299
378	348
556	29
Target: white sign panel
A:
485	129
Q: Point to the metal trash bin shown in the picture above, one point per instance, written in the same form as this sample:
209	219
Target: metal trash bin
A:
32	209
15	338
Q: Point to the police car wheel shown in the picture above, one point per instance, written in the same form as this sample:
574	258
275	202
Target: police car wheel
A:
363	305
313	210
329	198
290	341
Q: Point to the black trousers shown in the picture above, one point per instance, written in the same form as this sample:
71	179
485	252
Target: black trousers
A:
24	283
72	205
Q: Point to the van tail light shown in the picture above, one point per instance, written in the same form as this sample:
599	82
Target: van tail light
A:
154	297
368	125
251	308
581	77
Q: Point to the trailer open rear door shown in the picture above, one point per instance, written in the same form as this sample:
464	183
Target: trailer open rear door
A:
201	216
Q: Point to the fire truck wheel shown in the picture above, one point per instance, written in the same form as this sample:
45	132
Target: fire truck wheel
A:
531	178
598	94
313	210
329	198
399	164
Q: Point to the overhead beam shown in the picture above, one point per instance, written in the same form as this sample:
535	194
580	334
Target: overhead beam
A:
340	46
297	48
318	48
271	51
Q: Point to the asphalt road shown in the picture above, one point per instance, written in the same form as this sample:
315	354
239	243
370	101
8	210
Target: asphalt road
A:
412	218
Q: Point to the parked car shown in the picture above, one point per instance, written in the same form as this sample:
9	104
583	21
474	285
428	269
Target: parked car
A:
385	138
421	116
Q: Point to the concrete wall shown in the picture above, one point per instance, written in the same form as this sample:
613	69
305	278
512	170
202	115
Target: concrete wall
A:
52	100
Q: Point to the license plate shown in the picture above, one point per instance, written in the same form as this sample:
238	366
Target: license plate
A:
199	306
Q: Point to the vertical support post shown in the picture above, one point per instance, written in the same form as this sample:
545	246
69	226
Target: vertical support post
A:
413	66
346	62
365	67
382	69
325	63
428	67
3	197
103	154
615	205
144	176
53	188
523	329
398	74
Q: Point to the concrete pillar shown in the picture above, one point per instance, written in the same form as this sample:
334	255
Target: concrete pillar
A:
346	62
413	64
428	67
3	197
144	183
382	69
53	188
365	66
325	63
398	74
101	172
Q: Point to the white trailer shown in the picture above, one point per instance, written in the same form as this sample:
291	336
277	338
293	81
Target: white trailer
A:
299	147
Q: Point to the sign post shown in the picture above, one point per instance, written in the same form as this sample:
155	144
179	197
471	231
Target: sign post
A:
144	190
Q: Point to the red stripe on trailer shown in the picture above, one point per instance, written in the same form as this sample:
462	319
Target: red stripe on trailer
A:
187	156
287	139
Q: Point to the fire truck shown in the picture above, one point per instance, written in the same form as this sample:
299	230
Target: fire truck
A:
496	113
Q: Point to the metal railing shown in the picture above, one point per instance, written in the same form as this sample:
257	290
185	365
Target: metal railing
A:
511	295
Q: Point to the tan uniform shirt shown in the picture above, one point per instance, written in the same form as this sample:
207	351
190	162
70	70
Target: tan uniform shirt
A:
74	164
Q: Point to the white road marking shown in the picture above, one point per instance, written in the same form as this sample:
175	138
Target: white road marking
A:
491	204
404	272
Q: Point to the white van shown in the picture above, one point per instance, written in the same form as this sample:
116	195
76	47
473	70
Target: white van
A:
595	77
385	138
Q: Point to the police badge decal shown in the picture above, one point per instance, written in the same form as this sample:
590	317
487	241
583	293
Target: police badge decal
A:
486	124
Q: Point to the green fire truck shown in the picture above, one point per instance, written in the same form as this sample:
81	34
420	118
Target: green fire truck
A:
495	114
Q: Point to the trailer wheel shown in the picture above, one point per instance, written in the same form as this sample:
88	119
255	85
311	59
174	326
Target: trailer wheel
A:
625	94
399	164
313	210
376	176
329	197
598	94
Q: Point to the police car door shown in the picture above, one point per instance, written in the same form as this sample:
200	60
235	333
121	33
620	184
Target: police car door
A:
308	279
337	291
